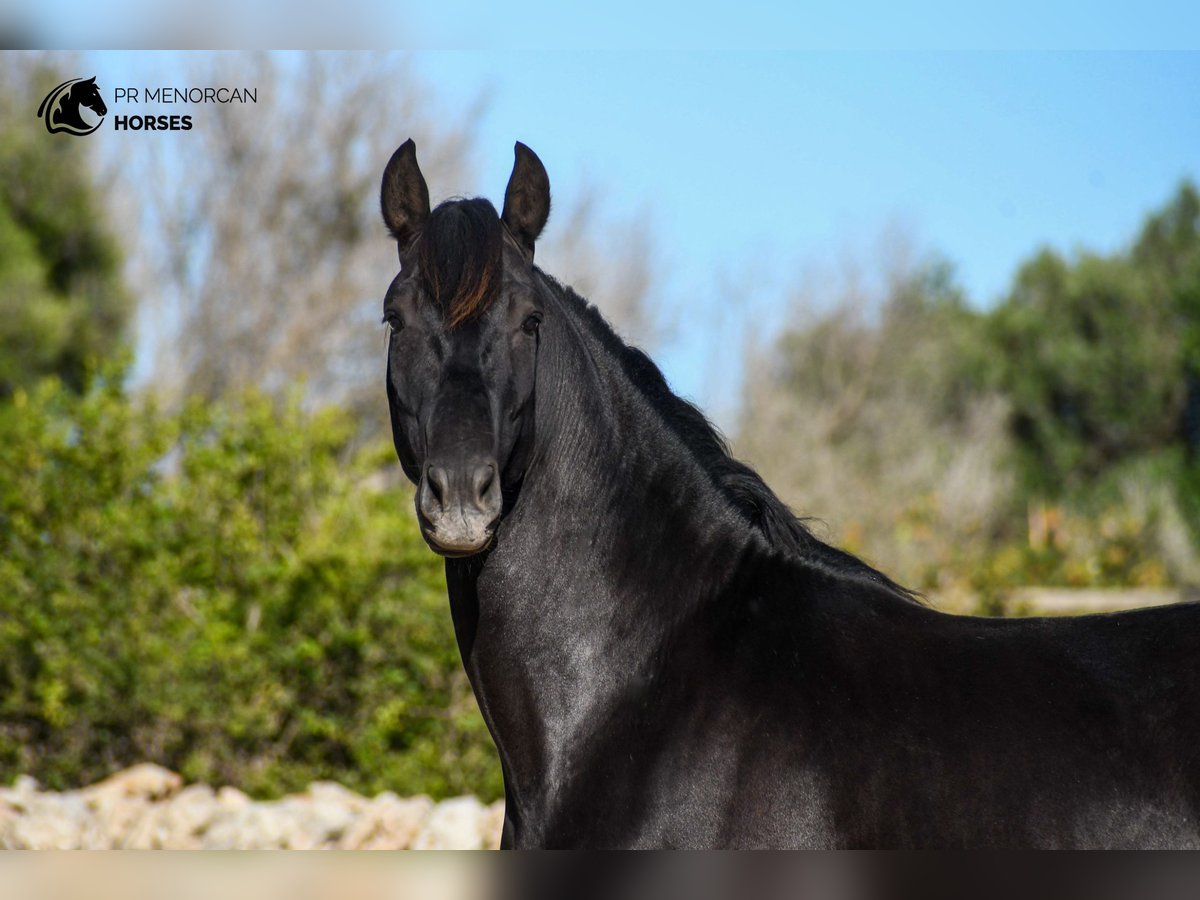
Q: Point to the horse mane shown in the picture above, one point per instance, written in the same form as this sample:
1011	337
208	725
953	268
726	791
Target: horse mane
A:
745	489
459	256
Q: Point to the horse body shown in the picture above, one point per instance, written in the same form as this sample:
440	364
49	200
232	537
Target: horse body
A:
665	657
667	678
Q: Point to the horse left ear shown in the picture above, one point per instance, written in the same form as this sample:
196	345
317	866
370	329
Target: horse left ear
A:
527	198
91	80
404	196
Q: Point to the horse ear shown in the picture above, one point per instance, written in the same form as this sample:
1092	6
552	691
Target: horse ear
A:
527	198
404	196
91	80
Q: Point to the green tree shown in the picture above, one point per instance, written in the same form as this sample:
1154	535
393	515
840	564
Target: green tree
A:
62	303
1169	242
1168	252
1090	364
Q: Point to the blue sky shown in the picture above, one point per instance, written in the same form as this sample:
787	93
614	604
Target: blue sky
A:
753	166
764	163
755	25
760	25
794	156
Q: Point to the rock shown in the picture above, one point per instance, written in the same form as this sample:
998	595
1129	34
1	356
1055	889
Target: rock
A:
45	832
146	807
9	816
294	823
149	832
258	826
23	790
113	820
453	825
325	821
332	792
492	825
388	823
25	784
187	815
124	811
50	822
231	798
143	780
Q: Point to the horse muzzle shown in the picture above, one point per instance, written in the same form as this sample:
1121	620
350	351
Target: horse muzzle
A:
458	507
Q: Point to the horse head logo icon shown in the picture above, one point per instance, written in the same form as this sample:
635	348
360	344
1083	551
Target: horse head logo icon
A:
61	110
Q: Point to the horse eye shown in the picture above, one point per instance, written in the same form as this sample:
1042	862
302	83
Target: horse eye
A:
530	325
393	321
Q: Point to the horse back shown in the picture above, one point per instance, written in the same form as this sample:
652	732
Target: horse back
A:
923	729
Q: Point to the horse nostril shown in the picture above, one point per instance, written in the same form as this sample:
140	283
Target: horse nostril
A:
436	478
484	477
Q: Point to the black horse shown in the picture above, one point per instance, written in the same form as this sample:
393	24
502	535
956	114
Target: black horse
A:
60	109
666	656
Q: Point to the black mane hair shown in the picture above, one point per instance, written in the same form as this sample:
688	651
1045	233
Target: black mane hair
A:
459	254
745	489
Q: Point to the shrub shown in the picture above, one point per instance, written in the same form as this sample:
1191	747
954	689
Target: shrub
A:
229	590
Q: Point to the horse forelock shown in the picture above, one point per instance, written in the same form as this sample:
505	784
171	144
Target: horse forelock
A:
460	258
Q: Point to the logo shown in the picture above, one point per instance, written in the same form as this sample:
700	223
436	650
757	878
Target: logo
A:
62	110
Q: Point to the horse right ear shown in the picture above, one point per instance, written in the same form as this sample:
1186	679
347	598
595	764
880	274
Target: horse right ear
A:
404	196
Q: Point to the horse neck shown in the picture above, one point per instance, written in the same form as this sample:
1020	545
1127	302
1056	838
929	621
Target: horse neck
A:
614	484
618	540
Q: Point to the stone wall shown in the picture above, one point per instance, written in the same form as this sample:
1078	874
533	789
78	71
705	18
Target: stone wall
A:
149	807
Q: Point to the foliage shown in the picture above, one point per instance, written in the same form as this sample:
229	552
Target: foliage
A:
62	303
877	417
1091	367
932	436
1102	361
1168	251
228	590
1101	540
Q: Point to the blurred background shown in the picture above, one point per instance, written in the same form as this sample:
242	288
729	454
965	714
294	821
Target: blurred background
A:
948	304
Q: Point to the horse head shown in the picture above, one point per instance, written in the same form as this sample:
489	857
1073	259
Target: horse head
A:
464	319
85	93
